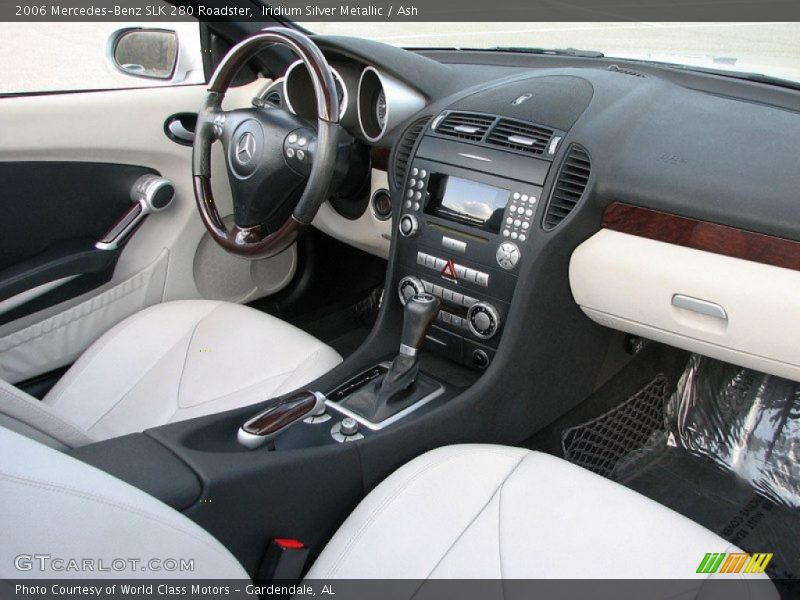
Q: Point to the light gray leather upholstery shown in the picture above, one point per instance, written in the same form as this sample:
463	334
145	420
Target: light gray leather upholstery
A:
479	511
171	362
459	512
55	505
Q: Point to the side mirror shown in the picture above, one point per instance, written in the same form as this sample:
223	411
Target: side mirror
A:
148	53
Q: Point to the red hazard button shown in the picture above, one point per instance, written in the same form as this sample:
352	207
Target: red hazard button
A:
449	270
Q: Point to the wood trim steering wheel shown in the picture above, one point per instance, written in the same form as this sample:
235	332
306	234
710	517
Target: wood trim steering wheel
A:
265	169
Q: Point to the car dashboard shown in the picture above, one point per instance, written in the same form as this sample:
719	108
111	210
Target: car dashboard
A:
494	160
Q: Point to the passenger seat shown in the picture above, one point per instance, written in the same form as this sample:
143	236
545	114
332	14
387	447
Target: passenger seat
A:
467	511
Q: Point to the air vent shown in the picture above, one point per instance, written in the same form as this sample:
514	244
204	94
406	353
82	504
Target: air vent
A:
624	71
273	99
520	136
404	149
465	126
569	187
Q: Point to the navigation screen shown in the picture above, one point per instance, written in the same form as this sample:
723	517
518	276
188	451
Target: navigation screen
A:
467	201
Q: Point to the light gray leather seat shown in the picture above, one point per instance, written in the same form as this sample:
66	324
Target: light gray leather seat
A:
489	512
167	363
469	511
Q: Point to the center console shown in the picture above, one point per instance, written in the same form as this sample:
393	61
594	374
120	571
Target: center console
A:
466	222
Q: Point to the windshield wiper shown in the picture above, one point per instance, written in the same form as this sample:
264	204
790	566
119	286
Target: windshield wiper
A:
550	51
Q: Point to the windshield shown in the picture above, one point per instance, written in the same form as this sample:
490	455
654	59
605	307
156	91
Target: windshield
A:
771	49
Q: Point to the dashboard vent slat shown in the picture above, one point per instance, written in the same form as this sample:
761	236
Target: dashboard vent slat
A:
465	126
404	149
273	99
523	137
624	71
570	185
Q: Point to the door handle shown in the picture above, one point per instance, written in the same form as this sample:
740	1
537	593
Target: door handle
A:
180	132
150	194
180	128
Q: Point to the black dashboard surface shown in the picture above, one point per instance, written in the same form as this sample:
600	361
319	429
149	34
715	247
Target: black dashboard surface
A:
704	146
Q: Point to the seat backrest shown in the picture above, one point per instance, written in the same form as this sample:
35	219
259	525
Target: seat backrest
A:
57	506
32	418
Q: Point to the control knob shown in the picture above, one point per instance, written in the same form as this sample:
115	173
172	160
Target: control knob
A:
409	287
408	225
507	255
483	320
349	426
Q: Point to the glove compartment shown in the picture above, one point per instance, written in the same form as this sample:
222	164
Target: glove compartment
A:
736	310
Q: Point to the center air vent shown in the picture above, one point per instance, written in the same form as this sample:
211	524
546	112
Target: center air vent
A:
569	187
520	136
404	149
465	126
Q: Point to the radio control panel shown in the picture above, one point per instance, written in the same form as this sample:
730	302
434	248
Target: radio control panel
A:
519	216
462	236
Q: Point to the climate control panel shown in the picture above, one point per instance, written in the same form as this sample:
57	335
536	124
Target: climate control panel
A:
483	320
461	312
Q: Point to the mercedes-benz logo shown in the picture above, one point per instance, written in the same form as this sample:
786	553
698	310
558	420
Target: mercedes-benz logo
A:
245	148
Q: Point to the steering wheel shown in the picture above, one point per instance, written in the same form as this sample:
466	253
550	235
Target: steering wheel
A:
280	169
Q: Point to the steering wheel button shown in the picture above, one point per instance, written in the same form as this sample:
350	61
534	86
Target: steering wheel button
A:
418	196
408	203
516	196
410	194
420	185
423	173
292	138
414	172
301	155
412	182
301	141
532	200
415	206
290	152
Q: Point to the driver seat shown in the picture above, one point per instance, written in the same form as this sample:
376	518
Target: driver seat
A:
167	363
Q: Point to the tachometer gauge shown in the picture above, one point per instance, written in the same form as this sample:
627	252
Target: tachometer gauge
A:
380	109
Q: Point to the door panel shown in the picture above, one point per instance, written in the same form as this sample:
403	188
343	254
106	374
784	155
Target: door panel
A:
93	134
53	213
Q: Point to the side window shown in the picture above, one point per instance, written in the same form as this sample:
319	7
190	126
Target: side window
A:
64	57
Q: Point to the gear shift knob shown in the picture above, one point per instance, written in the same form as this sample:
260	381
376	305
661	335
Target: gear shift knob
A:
420	313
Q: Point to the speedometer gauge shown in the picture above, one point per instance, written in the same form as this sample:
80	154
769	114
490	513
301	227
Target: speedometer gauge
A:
380	109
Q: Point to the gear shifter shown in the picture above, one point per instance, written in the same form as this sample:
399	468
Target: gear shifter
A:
420	313
384	397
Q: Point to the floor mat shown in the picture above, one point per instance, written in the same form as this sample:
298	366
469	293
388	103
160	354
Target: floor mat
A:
718	500
722	449
600	443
